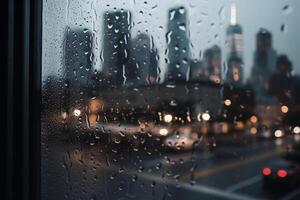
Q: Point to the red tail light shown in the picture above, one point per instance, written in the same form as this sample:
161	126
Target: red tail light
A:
282	173
266	171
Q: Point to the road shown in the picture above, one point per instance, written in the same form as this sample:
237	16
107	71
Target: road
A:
74	170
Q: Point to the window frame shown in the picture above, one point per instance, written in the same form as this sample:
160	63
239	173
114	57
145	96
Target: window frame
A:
23	99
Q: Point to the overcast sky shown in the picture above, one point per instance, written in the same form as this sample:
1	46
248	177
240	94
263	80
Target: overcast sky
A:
208	20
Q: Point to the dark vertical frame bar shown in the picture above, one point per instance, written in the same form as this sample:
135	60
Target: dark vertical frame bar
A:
35	102
23	99
4	87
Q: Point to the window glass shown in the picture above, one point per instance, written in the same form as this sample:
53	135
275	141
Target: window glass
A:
185	99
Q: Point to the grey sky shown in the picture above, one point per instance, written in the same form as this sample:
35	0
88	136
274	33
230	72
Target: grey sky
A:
208	20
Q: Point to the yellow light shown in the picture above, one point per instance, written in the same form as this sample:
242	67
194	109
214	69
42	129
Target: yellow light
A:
92	119
77	112
253	130
239	125
168	118
227	102
284	109
296	130
253	119
163	132
95	105
206	117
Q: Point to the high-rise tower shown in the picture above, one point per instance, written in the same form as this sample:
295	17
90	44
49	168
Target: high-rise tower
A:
116	46
264	62
78	64
142	68
78	58
234	49
213	62
178	45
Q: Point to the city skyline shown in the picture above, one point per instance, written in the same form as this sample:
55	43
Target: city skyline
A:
127	61
220	40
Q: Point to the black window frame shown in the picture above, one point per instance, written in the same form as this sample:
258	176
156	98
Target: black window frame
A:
22	25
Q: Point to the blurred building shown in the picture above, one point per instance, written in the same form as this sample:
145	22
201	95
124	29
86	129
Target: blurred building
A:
78	64
234	50
281	81
239	103
212	62
143	65
178	45
116	46
197	71
264	63
78	60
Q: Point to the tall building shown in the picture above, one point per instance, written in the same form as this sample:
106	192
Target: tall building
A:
78	62
197	71
213	61
142	67
234	49
264	62
116	46
281	80
178	45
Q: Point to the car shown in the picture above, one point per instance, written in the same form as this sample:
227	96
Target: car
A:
183	139
281	174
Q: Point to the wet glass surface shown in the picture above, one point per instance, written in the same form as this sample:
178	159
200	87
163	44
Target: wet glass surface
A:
190	99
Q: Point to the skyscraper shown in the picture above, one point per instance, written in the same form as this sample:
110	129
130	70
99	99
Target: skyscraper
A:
213	61
78	59
264	62
78	63
142	67
178	45
234	49
116	46
197	71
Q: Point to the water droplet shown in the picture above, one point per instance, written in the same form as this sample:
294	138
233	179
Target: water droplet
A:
284	28
287	10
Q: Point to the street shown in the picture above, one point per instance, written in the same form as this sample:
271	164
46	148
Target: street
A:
232	170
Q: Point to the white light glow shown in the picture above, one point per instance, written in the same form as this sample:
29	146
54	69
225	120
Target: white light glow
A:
233	13
206	117
168	118
278	133
296	130
77	112
163	132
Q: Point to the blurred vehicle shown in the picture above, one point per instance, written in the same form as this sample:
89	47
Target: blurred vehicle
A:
281	174
292	153
182	140
275	132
